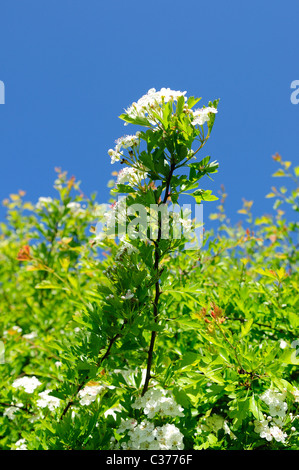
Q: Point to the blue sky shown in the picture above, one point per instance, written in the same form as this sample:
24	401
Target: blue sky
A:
70	67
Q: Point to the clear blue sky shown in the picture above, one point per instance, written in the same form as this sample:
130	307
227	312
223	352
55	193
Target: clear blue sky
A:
70	67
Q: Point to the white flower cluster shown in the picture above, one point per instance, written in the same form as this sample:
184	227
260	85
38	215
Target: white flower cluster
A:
28	383
152	100
296	394
114	216
47	401
128	295
20	445
158	401
268	428
76	209
269	432
145	436
11	410
275	400
43	202
127	141
131	175
89	393
202	115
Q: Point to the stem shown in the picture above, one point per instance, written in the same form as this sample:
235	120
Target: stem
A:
81	385
157	258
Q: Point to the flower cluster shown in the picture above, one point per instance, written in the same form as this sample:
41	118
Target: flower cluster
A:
145	436
158	401
47	401
268	428
276	403
11	411
89	393
29	384
269	432
202	115
131	175
125	142
152	101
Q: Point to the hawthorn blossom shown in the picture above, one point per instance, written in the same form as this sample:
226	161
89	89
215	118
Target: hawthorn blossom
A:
202	115
156	401
152	100
131	175
145	436
11	411
48	401
20	445
43	202
269	431
275	401
28	383
128	295
89	393
127	141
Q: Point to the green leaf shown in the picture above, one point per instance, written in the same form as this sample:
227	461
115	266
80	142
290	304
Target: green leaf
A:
138	120
45	284
180	105
203	195
192	101
246	327
255	409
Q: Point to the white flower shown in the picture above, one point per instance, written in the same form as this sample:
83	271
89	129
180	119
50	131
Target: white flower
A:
48	401
278	434
114	155
200	116
296	394
28	383
21	444
170	437
31	335
278	409
144	436
156	401
127	141
89	393
14	328
152	100
130	175
275	400
76	208
269	432
262	428
10	412
128	295
43	202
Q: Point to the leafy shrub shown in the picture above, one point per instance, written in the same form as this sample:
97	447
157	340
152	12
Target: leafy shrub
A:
143	343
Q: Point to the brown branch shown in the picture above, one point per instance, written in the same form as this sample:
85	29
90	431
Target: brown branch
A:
81	385
157	287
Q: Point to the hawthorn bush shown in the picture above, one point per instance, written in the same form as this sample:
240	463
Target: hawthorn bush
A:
117	334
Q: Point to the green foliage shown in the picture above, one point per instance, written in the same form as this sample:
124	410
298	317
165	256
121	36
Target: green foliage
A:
101	325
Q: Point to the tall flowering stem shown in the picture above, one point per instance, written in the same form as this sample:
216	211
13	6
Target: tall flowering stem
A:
171	130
